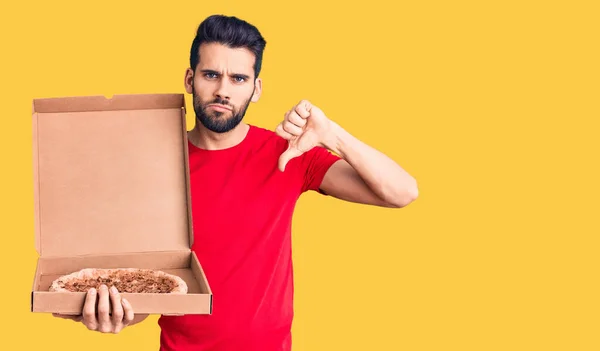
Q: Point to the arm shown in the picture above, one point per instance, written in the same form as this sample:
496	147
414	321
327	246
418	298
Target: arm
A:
365	175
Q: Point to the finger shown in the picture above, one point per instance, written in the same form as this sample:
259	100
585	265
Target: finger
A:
303	108
104	324
128	314
282	133
292	128
286	156
117	310
296	119
89	310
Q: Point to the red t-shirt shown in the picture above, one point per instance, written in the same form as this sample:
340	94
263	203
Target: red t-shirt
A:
242	216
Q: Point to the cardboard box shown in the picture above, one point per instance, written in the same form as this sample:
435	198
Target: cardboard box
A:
112	190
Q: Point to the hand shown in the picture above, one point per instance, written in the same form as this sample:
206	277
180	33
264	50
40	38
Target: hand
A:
104	319
304	126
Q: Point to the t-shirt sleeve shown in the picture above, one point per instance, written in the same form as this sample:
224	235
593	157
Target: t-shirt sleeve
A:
315	163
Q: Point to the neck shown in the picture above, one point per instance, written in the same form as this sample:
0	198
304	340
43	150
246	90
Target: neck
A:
209	140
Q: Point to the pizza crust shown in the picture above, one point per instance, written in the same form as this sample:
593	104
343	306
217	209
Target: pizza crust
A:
129	280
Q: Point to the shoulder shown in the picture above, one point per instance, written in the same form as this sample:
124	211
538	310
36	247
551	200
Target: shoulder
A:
309	168
266	140
263	133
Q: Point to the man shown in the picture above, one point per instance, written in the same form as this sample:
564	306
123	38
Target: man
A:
245	182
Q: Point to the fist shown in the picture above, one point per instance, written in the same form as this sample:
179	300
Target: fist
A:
304	126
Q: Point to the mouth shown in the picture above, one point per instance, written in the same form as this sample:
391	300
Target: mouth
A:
218	107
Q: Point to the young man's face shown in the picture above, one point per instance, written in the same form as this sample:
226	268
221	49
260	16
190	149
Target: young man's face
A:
223	86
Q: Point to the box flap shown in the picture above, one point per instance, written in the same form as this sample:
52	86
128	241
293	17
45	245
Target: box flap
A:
111	175
101	103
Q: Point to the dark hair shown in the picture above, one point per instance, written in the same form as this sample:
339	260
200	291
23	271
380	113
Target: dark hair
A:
230	31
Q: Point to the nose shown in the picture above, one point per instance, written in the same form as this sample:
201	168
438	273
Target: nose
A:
222	91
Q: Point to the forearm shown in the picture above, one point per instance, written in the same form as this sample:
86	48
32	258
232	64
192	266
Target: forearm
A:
381	174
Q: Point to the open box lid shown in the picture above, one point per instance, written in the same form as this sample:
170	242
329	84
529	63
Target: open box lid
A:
111	175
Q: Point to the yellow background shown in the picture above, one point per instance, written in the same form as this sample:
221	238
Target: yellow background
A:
492	106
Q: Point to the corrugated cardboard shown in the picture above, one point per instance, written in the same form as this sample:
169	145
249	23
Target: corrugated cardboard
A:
111	188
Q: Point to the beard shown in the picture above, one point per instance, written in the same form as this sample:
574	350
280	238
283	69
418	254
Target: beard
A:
215	120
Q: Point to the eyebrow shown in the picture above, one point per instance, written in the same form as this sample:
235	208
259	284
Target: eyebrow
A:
245	76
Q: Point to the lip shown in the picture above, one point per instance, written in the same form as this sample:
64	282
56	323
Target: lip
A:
219	107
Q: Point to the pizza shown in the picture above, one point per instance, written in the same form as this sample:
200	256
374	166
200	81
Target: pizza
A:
126	280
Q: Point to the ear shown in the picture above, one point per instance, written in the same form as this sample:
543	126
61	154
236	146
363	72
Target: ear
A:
257	90
189	80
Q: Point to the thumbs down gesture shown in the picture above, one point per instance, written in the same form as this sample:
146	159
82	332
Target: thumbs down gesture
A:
304	126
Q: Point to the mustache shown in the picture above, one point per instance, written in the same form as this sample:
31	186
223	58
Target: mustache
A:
220	102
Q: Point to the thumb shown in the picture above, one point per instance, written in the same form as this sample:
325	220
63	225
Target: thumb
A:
287	155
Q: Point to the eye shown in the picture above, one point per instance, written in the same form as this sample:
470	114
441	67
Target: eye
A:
210	75
239	79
